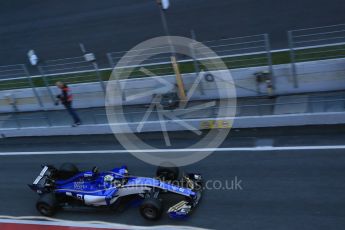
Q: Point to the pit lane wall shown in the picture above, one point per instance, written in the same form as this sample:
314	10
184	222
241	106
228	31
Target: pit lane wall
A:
329	118
325	75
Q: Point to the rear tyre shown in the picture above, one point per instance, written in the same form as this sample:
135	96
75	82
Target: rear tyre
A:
168	172
151	209
67	170
47	204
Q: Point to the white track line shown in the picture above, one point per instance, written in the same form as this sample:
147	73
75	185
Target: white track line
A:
39	220
250	149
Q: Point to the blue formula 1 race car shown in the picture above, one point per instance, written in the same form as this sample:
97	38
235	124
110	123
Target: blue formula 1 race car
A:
67	187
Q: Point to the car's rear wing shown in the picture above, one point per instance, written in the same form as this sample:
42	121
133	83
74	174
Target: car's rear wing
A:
40	183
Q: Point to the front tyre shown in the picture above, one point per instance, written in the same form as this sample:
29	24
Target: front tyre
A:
151	209
168	172
47	204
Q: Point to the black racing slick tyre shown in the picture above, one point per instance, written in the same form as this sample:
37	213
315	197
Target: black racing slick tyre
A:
47	204
151	209
67	170
168	172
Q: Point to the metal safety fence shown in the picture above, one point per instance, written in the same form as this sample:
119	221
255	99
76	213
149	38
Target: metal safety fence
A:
240	52
23	80
317	43
237	52
69	70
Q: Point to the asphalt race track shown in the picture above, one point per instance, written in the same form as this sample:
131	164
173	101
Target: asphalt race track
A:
295	189
55	28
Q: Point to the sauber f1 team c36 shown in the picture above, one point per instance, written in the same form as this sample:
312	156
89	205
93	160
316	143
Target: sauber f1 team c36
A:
68	187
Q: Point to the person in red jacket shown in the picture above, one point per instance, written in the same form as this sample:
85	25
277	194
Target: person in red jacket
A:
66	99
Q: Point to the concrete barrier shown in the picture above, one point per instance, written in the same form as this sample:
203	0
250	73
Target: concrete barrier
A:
155	126
326	75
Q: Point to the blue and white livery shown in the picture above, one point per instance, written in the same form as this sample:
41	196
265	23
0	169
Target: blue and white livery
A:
68	187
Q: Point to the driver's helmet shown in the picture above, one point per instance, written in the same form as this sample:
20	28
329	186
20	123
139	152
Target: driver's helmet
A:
108	179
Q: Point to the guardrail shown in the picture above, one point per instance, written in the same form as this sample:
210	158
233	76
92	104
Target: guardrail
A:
21	74
314	44
237	52
69	70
